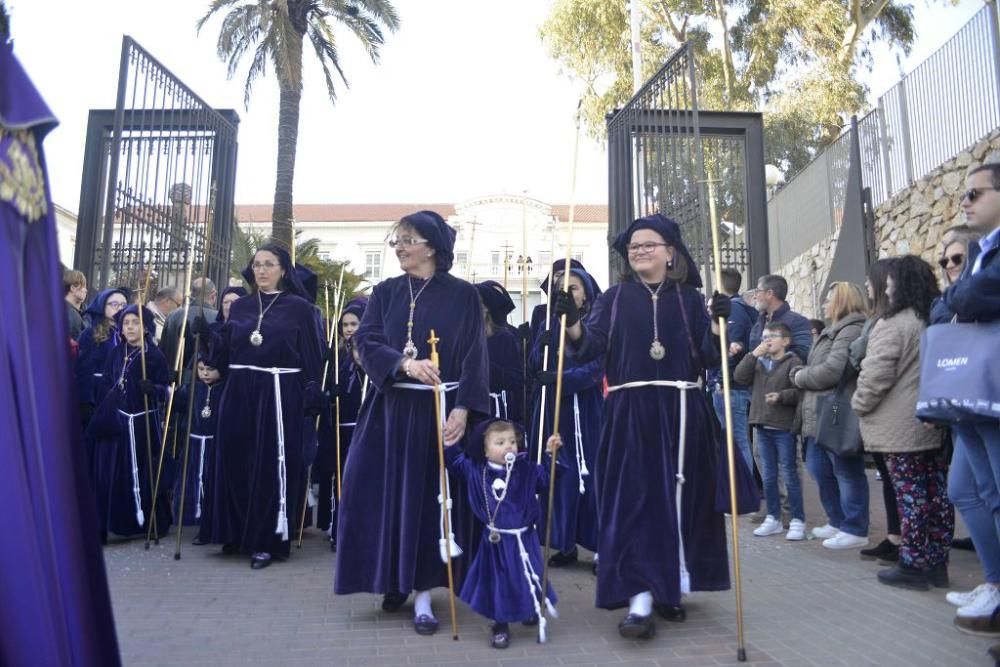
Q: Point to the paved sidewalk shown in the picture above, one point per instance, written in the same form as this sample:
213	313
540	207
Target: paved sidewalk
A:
803	605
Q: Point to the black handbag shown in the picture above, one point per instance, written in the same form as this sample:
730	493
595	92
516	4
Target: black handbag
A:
837	427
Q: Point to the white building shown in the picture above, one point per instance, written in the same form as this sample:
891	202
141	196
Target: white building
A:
493	233
66	234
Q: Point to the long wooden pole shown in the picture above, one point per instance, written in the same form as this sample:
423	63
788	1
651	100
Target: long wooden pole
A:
151	520
741	652
435	359
559	366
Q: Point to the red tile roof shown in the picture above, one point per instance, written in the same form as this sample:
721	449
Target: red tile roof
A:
258	213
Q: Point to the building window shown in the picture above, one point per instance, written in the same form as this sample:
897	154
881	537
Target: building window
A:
545	257
578	256
462	259
373	265
325	255
495	263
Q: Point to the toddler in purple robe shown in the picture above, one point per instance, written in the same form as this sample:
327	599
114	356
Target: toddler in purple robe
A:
504	579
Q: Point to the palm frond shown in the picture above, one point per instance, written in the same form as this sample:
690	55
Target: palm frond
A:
323	43
215	6
258	68
287	51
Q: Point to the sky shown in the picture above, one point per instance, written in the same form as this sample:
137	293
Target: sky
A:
465	102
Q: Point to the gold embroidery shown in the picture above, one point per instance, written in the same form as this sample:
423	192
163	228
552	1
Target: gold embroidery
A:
22	182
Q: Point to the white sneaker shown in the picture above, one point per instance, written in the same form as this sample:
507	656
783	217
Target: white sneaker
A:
823	532
796	530
984	604
844	540
771	526
962	599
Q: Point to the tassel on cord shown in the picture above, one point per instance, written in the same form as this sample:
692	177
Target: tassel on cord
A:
581	458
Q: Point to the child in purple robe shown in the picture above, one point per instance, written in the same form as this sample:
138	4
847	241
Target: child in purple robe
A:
201	448
503	582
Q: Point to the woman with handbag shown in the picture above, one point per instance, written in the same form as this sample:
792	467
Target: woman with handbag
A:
885	401
837	464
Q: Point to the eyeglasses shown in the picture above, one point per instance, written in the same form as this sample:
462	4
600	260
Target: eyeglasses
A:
771	336
643	248
951	260
115	305
264	266
972	194
405	241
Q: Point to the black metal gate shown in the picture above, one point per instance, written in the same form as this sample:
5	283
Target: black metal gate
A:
661	151
158	179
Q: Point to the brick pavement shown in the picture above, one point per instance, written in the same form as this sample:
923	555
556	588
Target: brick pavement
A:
803	605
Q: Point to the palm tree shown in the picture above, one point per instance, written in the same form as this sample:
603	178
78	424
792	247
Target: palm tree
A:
277	31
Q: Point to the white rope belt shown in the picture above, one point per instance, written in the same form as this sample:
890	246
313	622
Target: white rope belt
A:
139	515
534	581
498	400
581	458
683	387
449	542
282	526
98	375
201	472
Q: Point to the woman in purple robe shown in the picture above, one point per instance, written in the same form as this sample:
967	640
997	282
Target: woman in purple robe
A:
574	508
271	353
390	537
503	346
96	342
660	533
122	457
350	384
226	301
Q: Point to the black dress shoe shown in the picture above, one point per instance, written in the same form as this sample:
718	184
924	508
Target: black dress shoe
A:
260	560
560	559
963	543
425	624
634	626
938	575
197	541
904	577
670	612
884	550
501	635
393	601
230	548
531	622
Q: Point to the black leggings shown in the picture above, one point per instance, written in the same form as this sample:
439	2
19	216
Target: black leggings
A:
888	496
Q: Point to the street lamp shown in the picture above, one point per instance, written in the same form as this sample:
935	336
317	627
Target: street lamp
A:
774	177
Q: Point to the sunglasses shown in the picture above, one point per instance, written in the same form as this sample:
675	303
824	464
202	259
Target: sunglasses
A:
972	194
952	260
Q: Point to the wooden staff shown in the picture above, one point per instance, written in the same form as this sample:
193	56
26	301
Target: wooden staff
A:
436	360
548	343
145	399
338	306
559	366
741	652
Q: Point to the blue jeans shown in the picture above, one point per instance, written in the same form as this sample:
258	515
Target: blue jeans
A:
843	487
973	489
777	449
739	399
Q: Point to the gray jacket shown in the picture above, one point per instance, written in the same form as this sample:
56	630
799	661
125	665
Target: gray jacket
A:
886	397
827	364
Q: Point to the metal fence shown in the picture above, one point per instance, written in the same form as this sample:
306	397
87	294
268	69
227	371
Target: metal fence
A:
158	180
943	106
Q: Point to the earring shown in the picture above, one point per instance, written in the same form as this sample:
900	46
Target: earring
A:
670	264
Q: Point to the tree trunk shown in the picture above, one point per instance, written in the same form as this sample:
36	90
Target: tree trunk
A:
282	221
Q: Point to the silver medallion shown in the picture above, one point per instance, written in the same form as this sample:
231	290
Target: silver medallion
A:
256	339
410	350
656	350
494	537
498	486
206	412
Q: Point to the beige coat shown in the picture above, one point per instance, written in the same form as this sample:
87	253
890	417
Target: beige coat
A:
886	397
826	365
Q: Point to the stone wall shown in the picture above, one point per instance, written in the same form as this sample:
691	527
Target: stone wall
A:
910	222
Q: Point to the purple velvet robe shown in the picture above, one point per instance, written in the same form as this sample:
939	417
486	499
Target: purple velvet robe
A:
201	451
54	603
247	478
114	453
495	585
506	375
637	460
388	527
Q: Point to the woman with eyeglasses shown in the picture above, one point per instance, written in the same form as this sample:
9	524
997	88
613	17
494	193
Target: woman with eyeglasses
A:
271	353
95	344
954	249
390	528
661	535
843	487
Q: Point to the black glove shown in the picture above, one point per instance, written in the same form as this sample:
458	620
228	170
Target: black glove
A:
174	378
546	378
721	306
563	304
199	326
147	387
333	392
328	355
524	331
312	411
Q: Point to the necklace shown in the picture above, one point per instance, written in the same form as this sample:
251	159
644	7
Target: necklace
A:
256	339
129	360
410	349
656	349
206	411
499	492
